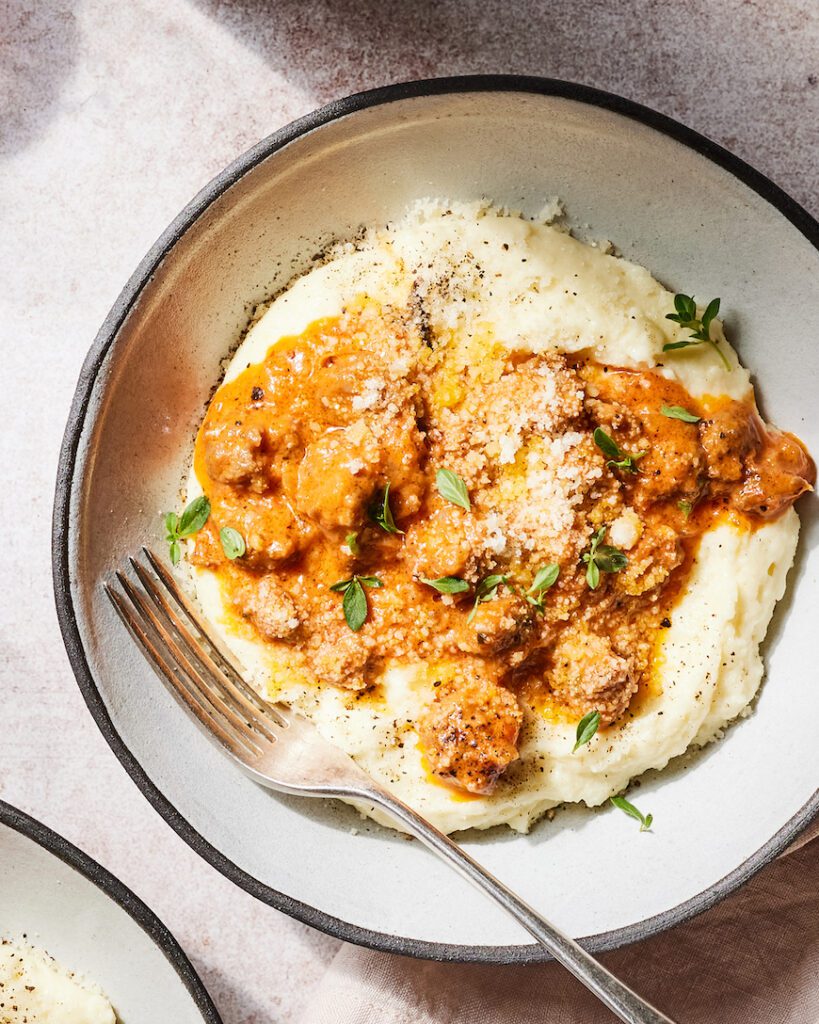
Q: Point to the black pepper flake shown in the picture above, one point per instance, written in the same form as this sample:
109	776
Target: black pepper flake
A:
257	394
666	623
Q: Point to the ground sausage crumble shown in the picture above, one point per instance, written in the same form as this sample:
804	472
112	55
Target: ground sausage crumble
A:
297	451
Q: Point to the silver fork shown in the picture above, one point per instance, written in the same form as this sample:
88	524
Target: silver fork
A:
282	750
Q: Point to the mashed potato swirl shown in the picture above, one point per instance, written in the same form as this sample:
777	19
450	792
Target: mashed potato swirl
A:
490	288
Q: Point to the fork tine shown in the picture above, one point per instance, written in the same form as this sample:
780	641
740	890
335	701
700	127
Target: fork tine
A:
230	693
218	653
135	626
200	687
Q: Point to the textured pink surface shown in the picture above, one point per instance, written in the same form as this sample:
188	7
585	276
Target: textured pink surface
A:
752	959
111	117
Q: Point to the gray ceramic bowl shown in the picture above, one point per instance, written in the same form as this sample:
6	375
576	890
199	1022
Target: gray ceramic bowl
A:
66	903
704	222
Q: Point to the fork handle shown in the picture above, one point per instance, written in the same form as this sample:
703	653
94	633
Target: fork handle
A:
619	998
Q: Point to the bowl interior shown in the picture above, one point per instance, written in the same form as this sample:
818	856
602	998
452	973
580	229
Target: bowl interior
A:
61	910
699	229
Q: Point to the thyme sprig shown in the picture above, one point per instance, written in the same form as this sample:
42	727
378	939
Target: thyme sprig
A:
615	456
686	317
628	808
453	488
545	578
602	558
487	590
446	584
355	604
191	521
382	514
586	728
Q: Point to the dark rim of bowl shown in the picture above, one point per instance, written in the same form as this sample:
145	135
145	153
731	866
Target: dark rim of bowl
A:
760	184
121	895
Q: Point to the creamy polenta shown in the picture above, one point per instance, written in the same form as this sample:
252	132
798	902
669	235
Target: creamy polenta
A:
36	989
469	512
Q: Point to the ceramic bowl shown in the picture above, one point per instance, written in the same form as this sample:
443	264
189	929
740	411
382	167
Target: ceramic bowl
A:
67	904
703	222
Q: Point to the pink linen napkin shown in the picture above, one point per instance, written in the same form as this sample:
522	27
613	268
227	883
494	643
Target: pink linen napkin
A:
752	959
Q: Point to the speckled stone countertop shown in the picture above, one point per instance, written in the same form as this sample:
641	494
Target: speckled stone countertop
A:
112	116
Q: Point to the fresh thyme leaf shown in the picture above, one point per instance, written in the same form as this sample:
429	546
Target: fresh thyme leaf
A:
446	584
606	444
597	537
194	517
488	586
233	543
191	521
342	584
355	605
685	306
545	577
586	728
686	507
486	590
602	558
686	317
370	581
617	458
711	311
676	412
632	812
628	463
383	514
351	540
610	559
453	488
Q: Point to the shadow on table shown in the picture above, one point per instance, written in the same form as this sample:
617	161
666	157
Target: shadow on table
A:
334	47
38	47
236	1003
641	49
